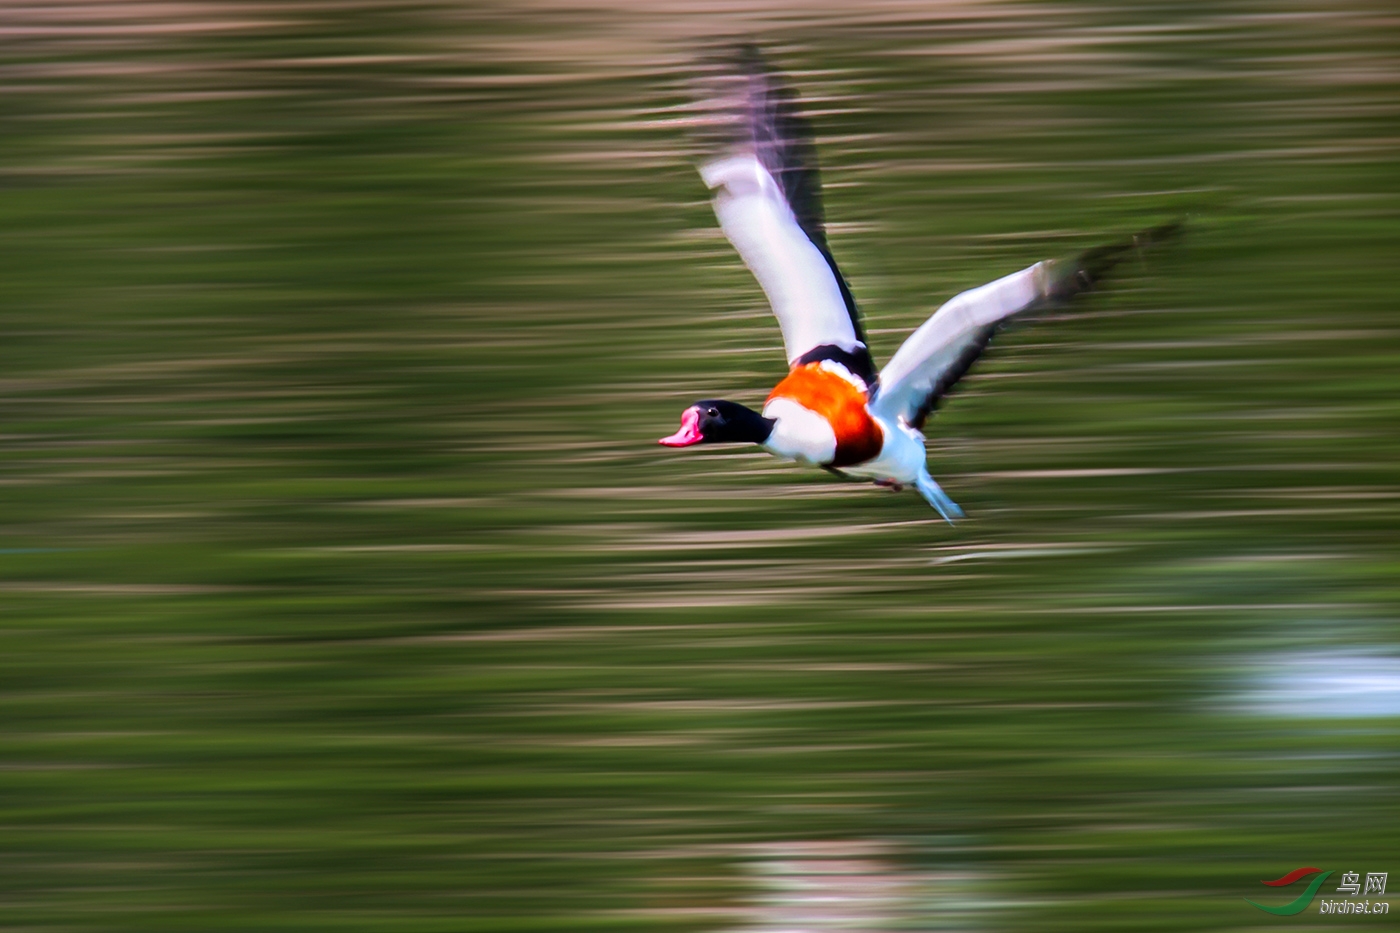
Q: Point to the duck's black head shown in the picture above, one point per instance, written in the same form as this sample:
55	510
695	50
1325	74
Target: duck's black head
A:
715	421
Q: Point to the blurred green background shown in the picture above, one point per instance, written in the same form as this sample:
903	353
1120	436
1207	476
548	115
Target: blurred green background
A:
342	585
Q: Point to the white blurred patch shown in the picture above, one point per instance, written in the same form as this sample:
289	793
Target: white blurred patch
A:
1328	685
813	887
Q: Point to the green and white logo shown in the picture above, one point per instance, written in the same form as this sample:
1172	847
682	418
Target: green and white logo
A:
1349	886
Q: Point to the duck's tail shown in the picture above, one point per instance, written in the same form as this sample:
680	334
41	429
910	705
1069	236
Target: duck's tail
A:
931	491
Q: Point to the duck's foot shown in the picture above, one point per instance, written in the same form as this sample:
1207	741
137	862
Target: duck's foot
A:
936	497
890	484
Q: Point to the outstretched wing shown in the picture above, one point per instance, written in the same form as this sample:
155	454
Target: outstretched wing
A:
945	346
767	196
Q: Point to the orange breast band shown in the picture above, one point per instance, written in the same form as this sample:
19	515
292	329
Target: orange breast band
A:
841	403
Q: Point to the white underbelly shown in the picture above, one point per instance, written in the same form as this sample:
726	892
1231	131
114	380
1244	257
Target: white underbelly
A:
800	433
902	458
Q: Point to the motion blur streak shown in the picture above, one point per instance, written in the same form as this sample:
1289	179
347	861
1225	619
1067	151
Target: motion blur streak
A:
853	885
343	586
1325	684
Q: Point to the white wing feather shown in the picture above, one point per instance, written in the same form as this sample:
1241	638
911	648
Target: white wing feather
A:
790	269
937	350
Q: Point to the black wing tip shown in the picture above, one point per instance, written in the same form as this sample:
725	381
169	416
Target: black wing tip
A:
751	58
742	56
745	103
1087	271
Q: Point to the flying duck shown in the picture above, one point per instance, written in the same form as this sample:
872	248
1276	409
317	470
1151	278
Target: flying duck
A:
832	409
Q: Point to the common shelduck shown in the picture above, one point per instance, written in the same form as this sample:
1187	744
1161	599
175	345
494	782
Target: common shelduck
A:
832	410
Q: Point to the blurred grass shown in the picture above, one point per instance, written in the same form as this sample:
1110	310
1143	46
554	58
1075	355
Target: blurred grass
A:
345	588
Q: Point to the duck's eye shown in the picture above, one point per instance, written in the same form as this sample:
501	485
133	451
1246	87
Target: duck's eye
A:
712	412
